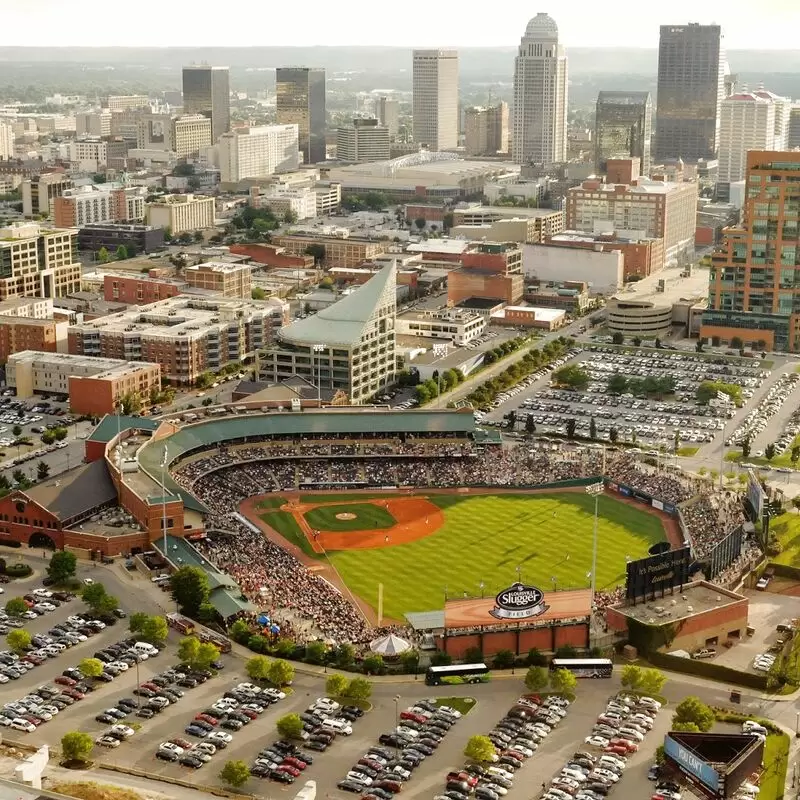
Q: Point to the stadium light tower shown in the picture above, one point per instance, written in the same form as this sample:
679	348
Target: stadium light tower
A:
595	489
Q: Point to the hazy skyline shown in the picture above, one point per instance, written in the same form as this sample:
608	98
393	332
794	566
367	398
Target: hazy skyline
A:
49	23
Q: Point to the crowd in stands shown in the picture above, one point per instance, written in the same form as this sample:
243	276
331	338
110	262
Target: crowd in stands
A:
710	519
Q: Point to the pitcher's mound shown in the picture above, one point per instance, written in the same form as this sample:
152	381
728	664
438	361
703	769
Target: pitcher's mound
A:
345	515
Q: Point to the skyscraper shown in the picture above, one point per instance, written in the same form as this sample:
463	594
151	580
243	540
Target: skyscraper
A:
435	104
207	91
623	126
387	110
691	86
540	95
301	101
486	130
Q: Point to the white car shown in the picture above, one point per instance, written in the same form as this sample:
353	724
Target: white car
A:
29	615
357	777
615	762
250	687
219	736
42	593
77	621
573	774
107	741
50	709
632	733
518	748
325	704
123	730
22	725
205	747
338	726
496	787
450	711
122	666
41	713
596	741
605	775
648	701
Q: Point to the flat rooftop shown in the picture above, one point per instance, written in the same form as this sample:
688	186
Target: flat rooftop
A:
449	246
543	314
219	266
695	598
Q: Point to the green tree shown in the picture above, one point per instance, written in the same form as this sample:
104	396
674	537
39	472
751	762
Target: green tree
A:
563	681
76	746
48	437
536	678
155	630
137	621
420	223
97	598
686	727
653	681
769	452
103	256
708	391
617	384
530	425
189	589
258	293
62	566
692	710
737	343
317	251
290	726
795	457
592	429
618	338
479	748
235	773
569	425
257	668
315	652
207	654
572	376
335	685
130	403
345	655
188	648
16	607
676	441
410	660
536	658
60	434
240	631
613	434
746	443
289	216
122	253
90	667
17	431
18	640
42	470
631	677
281	673
358	689
504	659
441	659
373	664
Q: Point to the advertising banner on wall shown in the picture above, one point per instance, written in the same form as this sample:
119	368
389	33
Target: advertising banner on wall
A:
657	573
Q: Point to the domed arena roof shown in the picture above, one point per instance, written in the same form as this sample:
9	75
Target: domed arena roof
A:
542	26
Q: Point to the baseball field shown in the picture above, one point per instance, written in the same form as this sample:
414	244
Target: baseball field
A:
425	546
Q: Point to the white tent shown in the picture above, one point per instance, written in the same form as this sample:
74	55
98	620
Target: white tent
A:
390	645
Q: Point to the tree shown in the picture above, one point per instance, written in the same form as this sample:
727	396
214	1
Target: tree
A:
618	338
137	620
708	391
207	654
746	442
652	681
122	253
17	431
289	216
685	727
592	429
631	677
344	655
257	668
235	773
103	256
536	658
795	457
94	594
536	678
62	566
188	648
18	640
48	437
637	341
676	441
358	689
373	664
189	589
769	452
613	434
420	223
563	681
530	425
42	470
441	659
479	748
737	343
335	685
617	384
315	652
692	710
76	746
410	660
60	434
572	376
16	607
504	659
290	726
281	673
90	667
130	403
570	425
258	293
317	251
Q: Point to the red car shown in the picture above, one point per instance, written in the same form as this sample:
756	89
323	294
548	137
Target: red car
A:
294	762
151	686
33	720
248	712
63	680
630	746
207	718
74	694
293	771
472	780
390	786
181	743
32	659
416	717
616	749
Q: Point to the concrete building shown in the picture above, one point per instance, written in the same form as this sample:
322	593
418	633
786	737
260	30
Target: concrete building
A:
572	296
364	140
136	238
546	221
97	203
88	155
182	213
638	317
623	128
257	152
547	319
540	95
652	209
28	324
435	99
793	137
206	91
38	192
127	102
752	294
300	98
38	262
349	346
138	289
387	110
486	130
691	87
348	252
602	272
93	123
487	271
224	280
186	136
454	325
6	141
302	203
186	336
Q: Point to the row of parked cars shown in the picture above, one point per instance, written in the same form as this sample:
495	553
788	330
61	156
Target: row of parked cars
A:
214	725
323	720
39	602
383	769
769	405
516	738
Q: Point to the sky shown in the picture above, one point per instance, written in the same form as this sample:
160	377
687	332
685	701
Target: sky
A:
747	24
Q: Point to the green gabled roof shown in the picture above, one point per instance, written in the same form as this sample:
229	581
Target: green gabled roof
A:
343	322
107	429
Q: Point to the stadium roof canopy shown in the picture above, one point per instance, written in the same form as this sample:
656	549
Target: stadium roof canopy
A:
107	429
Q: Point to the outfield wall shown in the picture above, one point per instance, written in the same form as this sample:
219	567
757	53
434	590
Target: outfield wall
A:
545	638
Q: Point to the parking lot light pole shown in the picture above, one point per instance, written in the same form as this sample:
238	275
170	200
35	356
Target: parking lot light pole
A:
595	489
396	717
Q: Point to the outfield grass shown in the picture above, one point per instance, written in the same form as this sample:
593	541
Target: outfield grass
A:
367	517
786	528
486	537
286	525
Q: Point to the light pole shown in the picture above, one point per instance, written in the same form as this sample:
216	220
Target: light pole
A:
318	348
482	586
164	503
595	489
396	718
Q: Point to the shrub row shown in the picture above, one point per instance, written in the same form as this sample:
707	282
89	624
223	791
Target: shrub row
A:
707	669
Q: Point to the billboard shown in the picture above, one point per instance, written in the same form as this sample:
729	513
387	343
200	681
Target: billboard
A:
755	494
519	602
725	553
692	764
657	573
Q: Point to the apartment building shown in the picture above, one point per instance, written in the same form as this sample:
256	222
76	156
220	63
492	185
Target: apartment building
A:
753	291
186	336
224	280
39	191
88	155
94	385
136	238
93	123
139	290
387	110
257	152
454	325
97	203
486	130
364	140
38	262
191	134
182	213
349	252
435	98
487	271
6	141
305	202
126	102
546	221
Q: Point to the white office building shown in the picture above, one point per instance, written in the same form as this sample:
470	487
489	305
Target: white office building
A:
257	152
540	95
435	102
88	155
6	141
365	140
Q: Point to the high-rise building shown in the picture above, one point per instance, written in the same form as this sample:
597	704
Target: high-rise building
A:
793	135
181	213
486	130
364	140
186	136
750	121
207	91
387	111
88	155
435	102
93	123
300	101
540	95
85	205
754	290
691	86
623	127
6	141
257	152
39	191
